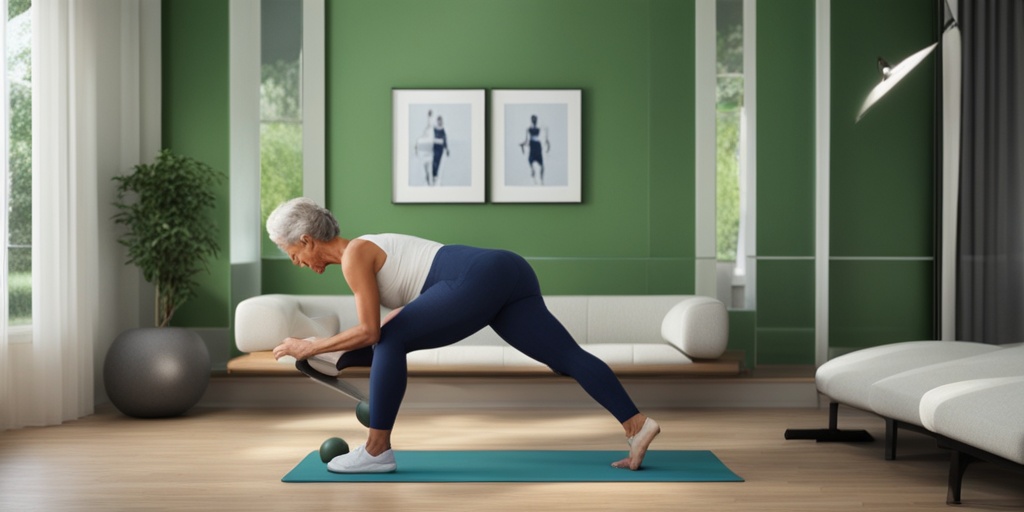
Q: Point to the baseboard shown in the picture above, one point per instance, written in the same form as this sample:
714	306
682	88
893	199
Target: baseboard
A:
512	393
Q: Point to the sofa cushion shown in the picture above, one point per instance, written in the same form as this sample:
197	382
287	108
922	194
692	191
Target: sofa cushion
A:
315	327
984	413
462	354
848	378
698	326
637	354
899	396
485	355
629	328
570	310
632	319
485	337
262	322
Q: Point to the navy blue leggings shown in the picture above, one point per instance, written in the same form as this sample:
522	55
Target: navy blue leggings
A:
438	153
466	290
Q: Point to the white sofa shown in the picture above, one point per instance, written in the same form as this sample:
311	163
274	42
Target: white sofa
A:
961	393
624	331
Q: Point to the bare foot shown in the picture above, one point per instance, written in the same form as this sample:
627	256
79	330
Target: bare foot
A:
638	445
621	464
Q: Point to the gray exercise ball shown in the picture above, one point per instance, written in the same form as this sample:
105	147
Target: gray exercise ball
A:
156	372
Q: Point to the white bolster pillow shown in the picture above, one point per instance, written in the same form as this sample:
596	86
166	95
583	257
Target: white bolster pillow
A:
263	322
698	326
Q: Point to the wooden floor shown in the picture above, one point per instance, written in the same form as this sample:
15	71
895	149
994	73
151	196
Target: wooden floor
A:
223	459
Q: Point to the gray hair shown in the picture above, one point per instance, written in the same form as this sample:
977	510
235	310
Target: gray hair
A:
301	216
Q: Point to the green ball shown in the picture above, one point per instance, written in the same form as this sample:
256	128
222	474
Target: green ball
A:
333	447
363	413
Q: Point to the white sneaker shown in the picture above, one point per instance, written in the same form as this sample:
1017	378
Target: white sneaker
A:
360	461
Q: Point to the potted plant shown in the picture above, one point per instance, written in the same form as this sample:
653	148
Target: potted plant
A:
164	206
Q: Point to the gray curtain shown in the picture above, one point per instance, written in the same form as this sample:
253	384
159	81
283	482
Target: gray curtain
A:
990	268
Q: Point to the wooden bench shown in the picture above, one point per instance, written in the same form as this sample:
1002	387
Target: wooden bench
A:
730	364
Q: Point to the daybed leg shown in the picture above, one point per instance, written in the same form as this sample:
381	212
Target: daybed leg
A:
832	433
958	462
890	439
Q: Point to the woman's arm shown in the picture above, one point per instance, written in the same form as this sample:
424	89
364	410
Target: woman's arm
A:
360	265
430	126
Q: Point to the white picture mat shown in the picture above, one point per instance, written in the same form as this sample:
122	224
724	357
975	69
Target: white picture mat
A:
465	161
510	182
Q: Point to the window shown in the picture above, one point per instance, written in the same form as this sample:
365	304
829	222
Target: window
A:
281	102
725	146
17	143
729	162
277	109
729	108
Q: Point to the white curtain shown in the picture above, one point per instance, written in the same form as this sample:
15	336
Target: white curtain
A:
93	117
951	73
5	372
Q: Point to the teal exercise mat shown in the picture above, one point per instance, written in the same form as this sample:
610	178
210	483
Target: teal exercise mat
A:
529	466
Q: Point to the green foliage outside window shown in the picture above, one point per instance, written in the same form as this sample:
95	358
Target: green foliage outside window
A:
728	185
279	91
280	140
16	7
19	214
729	96
280	169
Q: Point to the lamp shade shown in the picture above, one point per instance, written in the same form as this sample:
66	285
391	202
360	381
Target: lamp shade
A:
895	75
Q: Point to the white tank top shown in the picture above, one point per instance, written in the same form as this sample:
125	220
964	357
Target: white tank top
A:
405	270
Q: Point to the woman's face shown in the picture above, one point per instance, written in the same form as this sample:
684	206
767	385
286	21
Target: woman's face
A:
307	252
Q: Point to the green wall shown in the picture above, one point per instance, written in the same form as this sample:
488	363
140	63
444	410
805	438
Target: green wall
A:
880	288
634	231
195	123
606	245
785	182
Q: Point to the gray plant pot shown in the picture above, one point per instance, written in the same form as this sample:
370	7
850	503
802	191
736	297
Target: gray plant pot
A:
156	372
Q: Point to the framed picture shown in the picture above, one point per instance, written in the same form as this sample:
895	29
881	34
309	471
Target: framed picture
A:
535	146
438	146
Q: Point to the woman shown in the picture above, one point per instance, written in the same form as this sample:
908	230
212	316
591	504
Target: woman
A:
430	147
536	153
440	294
433	144
440	148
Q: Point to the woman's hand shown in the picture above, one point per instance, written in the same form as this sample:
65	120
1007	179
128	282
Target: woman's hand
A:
298	348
